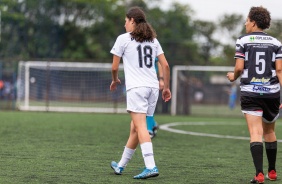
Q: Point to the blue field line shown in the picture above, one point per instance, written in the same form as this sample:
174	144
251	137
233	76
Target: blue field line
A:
168	127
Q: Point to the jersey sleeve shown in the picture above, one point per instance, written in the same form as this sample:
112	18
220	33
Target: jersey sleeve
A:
279	52
159	48
118	48
240	53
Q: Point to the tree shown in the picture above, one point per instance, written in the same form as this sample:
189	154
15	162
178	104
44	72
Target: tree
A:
36	29
175	33
205	32
12	24
229	28
86	29
275	29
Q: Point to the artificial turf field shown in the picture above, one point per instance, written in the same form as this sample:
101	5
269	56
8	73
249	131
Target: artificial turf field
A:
77	148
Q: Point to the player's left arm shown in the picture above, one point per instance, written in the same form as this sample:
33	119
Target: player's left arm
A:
161	76
278	66
166	94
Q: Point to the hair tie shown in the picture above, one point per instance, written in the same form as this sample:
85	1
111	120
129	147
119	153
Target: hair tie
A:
142	21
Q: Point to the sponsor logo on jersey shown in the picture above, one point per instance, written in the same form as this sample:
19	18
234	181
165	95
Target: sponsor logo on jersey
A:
252	38
261	88
261	38
259	81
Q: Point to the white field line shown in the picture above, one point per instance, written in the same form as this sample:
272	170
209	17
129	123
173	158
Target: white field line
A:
168	127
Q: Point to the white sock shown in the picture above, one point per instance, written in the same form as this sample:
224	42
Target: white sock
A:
148	155
126	157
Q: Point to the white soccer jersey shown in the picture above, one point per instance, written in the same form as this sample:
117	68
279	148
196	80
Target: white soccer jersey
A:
138	60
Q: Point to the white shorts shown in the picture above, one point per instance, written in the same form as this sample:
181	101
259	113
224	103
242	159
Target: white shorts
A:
142	100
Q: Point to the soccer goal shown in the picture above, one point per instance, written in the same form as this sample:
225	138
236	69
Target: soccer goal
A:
68	87
204	91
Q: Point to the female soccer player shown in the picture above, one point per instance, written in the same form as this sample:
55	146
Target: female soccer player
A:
138	48
259	63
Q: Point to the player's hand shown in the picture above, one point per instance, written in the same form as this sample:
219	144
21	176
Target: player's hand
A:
280	107
166	94
230	76
114	84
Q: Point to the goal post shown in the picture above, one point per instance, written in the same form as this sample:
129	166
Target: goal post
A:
84	87
202	90
68	87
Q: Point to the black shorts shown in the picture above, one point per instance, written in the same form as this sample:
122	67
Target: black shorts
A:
268	106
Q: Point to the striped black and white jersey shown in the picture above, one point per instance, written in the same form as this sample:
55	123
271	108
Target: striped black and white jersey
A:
259	51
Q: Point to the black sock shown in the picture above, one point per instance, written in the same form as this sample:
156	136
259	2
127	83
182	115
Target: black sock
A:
271	152
257	154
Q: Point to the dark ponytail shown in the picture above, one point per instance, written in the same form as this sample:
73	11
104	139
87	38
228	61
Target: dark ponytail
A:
143	30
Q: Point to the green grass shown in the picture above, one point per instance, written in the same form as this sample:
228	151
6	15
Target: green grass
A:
215	110
57	148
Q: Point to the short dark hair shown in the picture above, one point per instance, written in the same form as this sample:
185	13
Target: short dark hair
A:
261	16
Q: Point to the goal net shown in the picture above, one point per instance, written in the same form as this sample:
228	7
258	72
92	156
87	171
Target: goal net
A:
68	87
204	91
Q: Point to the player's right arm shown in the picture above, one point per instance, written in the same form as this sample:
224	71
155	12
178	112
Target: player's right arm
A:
115	79
239	67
